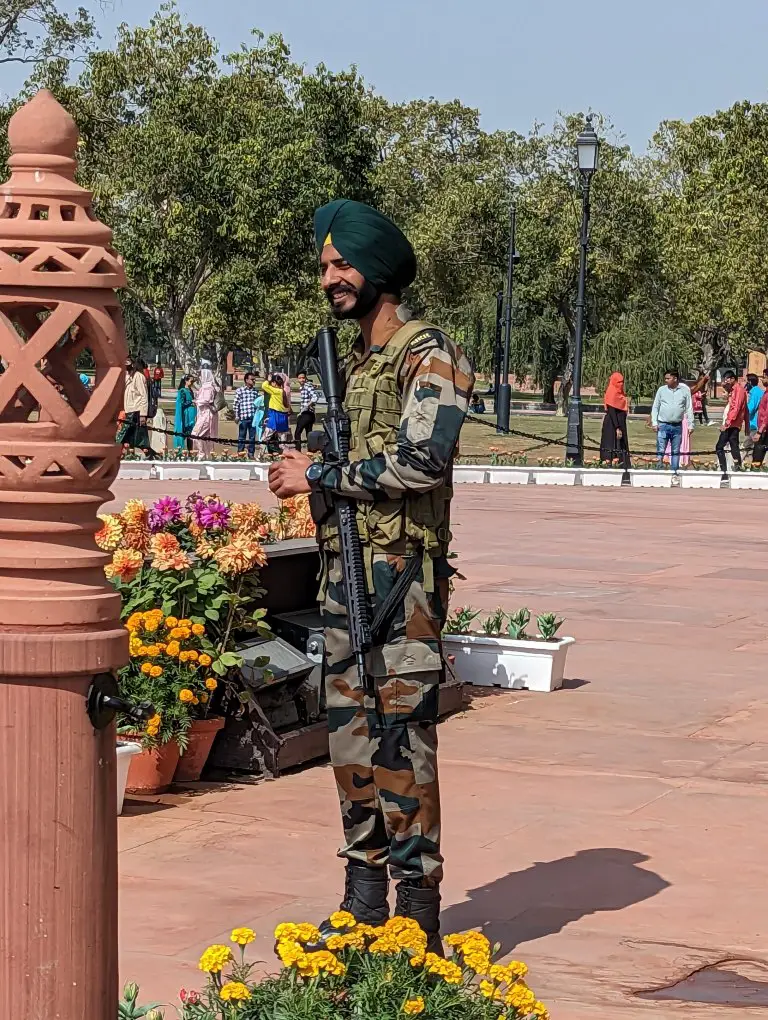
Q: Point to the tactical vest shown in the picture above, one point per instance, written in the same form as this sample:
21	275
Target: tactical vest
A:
412	523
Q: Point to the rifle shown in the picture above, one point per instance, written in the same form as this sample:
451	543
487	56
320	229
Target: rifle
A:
333	443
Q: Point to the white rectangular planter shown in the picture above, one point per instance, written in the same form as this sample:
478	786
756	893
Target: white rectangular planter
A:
509	475
125	751
230	472
749	480
651	479
470	475
601	476
699	479
136	469
180	472
504	662
554	476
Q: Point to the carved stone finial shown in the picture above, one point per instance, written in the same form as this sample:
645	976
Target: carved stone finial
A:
43	127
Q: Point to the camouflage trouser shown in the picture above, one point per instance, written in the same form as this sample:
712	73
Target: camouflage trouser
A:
384	750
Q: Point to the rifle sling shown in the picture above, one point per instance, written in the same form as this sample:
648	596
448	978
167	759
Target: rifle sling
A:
396	595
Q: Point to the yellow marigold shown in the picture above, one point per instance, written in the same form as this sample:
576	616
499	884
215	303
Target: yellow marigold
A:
509	972
457	940
211	683
321	961
156	671
185	622
479	962
186	695
243	936
489	990
204	659
308	932
176	633
155	720
414	1006
342	919
110	534
349	940
151	625
198	629
521	998
152	651
172	648
146	668
192	655
386	945
152	731
215	959
448	971
286	930
126	563
134	621
540	1011
290	953
234	991
171	621
417	960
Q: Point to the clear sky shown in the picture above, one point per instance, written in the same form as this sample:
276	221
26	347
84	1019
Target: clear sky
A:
518	61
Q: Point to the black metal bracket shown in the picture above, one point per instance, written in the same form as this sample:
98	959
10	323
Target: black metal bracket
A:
103	702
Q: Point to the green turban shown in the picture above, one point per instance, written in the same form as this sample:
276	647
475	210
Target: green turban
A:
369	241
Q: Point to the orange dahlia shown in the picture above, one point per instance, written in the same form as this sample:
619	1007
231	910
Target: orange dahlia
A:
110	534
126	563
240	555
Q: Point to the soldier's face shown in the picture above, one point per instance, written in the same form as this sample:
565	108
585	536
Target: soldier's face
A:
349	293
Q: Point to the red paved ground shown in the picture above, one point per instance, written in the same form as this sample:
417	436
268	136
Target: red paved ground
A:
611	834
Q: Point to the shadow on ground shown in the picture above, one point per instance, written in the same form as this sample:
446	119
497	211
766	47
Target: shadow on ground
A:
543	899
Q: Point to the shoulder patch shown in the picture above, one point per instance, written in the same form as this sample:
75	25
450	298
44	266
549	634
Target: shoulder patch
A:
427	340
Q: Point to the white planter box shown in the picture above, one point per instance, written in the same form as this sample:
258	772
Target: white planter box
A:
181	471
509	475
470	475
125	751
749	480
505	662
554	476
230	472
699	479
651	479
136	469
601	476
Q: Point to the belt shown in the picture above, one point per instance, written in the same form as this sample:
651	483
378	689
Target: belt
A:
670	422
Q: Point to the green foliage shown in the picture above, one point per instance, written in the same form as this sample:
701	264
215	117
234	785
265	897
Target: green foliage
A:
517	624
493	623
127	1008
37	31
549	624
460	620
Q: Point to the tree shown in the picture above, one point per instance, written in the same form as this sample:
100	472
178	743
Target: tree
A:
36	31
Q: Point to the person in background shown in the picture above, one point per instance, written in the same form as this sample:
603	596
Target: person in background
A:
186	414
206	426
133	429
477	405
735	417
86	381
614	443
259	413
308	397
276	425
157	384
761	439
699	398
672	411
244	407
754	395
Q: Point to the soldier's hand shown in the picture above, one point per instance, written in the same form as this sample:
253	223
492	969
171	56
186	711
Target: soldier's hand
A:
287	476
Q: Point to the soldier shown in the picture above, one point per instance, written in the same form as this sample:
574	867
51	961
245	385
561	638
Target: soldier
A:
408	389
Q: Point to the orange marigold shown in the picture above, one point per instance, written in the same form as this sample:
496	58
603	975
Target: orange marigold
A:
110	534
126	563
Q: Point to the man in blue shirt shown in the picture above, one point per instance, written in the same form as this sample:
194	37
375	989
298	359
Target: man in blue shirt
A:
754	395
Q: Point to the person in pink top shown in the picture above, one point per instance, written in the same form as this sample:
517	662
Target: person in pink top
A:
735	417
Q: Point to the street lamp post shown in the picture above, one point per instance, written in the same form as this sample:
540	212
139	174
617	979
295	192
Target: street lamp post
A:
504	391
588	150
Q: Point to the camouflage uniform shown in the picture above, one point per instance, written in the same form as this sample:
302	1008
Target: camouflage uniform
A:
407	401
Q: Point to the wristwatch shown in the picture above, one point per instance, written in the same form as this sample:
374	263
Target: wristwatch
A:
313	474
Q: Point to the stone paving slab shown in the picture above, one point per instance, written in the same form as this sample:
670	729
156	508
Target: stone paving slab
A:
610	834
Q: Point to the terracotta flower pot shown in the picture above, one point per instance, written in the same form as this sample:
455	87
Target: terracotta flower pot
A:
152	770
201	736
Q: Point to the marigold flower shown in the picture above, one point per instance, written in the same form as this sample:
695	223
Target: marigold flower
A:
172	649
171	621
186	696
110	534
146	668
234	991
152	731
243	936
448	971
322	960
198	629
156	671
414	1006
215	958
211	683
204	659
308	932
286	930
342	919
540	1011
289	952
155	720
185	623
126	563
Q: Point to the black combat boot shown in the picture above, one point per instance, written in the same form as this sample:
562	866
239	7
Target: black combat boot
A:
422	904
365	897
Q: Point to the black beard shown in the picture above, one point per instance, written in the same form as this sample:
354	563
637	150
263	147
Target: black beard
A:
367	296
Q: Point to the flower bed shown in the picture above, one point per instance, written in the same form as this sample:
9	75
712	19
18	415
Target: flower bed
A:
188	577
365	973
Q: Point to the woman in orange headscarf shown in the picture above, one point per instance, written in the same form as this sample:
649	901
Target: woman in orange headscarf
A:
613	440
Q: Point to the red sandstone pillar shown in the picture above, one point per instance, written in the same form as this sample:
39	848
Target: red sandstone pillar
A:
59	618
